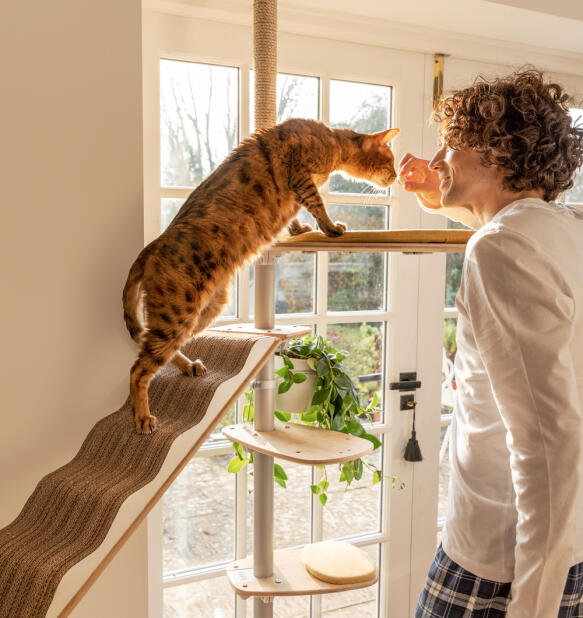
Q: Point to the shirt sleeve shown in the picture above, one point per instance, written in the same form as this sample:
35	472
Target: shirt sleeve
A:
522	314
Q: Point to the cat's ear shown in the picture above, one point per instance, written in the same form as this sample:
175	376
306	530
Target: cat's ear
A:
378	139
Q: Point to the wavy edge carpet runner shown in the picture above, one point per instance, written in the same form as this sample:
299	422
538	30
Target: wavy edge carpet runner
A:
68	515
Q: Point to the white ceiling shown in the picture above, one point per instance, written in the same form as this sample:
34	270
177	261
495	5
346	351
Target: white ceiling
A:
548	33
494	19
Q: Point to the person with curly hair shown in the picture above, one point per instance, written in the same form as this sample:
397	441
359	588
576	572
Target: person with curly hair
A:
512	543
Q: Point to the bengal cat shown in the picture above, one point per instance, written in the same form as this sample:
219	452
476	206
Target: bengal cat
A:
179	282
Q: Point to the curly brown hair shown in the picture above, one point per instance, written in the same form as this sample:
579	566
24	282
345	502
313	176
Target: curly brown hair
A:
520	124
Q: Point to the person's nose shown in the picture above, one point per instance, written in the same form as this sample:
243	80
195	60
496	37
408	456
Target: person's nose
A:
437	161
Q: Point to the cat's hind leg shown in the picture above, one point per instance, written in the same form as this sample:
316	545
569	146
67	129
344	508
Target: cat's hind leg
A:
157	348
188	367
209	313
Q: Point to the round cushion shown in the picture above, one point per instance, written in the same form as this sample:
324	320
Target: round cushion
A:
338	562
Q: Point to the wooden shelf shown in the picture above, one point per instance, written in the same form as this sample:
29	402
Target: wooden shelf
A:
279	332
290	578
405	241
300	443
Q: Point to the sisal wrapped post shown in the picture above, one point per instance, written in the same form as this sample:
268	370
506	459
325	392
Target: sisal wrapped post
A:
265	53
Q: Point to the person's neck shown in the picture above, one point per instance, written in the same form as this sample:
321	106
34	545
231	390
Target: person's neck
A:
486	210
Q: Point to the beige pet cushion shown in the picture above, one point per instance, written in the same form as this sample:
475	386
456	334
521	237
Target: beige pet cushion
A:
338	562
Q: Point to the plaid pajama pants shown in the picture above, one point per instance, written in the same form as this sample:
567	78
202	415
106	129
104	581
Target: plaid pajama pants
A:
453	592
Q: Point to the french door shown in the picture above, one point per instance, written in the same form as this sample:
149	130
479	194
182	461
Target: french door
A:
198	81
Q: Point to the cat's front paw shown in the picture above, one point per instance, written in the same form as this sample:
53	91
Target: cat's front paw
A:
338	229
295	228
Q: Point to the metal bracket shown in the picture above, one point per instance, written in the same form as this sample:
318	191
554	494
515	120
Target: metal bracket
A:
262	385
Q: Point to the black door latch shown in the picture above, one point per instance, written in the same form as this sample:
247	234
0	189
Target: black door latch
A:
407	382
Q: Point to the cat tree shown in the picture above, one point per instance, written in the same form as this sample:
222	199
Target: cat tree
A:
267	574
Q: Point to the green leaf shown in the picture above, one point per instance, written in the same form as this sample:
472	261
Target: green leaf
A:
374	401
251	457
282	372
343	381
298	378
279	472
323	367
284	387
348	472
238	449
319	397
323	499
324	484
236	464
288	363
311	363
355	428
358	469
376	477
315	489
309	416
280	482
371	438
337	422
282	416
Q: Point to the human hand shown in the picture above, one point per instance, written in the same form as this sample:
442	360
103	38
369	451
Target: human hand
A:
415	176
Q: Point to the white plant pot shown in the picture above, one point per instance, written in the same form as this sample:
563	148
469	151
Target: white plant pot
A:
297	400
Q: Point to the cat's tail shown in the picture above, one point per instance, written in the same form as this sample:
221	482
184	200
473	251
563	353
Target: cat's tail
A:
133	309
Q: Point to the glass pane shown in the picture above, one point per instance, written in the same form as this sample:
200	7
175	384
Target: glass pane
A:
356	281
292	508
448	388
363	345
356	509
230	310
199	119
365	108
575	194
362	603
294	284
199	515
285	607
228	419
448	384
169	209
453	268
297	97
212	598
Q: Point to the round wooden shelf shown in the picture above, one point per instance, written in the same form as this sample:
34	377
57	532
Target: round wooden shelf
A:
300	443
290	578
404	241
280	331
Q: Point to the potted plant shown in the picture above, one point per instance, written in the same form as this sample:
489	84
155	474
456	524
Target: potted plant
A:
326	397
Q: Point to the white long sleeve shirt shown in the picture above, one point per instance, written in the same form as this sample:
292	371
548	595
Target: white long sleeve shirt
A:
516	497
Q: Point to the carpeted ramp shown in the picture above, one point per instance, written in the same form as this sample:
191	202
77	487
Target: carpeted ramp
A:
81	514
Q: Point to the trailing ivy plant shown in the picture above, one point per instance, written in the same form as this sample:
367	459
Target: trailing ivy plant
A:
335	405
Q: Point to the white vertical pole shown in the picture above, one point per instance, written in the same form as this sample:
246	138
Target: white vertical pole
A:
265	52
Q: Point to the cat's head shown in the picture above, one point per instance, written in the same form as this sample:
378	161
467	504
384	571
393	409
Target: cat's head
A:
368	156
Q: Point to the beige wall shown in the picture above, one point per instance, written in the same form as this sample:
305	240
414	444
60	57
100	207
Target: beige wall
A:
72	221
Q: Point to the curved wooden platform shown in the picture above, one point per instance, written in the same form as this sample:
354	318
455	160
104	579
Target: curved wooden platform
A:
405	241
290	578
79	516
300	443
